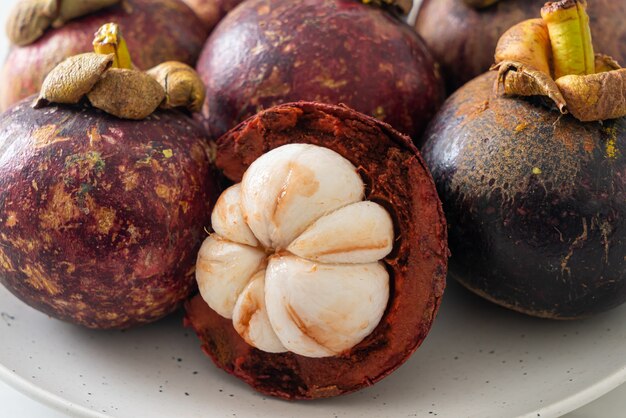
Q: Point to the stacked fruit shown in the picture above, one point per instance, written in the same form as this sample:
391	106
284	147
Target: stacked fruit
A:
326	255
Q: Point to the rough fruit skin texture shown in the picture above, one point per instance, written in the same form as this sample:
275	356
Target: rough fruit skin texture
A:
155	30
463	39
396	178
101	218
212	11
268	52
535	202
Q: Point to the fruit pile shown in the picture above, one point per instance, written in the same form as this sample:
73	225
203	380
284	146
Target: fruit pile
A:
276	191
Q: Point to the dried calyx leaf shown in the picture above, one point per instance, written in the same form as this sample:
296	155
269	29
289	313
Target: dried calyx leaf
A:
593	97
554	57
182	84
110	83
127	94
29	19
73	78
401	7
521	80
480	4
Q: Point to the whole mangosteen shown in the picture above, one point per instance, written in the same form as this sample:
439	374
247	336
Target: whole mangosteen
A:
101	217
46	32
267	52
462	34
328	260
536	199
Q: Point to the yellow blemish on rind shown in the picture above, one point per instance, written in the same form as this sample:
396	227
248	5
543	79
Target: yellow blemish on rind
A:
11	220
94	136
105	218
611	142
46	136
130	181
165	192
60	209
331	83
521	127
379	113
5	262
37	280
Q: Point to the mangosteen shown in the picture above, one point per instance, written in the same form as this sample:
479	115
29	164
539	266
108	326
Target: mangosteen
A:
533	180
212	11
268	52
102	216
462	34
45	32
329	256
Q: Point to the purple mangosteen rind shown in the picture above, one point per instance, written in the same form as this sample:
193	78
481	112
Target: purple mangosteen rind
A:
534	202
101	218
267	52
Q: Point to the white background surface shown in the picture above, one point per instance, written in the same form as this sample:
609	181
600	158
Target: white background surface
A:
15	404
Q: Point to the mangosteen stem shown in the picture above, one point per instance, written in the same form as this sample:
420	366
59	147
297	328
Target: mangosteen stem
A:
570	36
109	40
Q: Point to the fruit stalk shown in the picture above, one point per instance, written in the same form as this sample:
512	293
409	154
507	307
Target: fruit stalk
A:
109	40
570	36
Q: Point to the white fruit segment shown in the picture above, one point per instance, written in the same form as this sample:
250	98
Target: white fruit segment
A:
250	317
359	233
228	220
320	310
223	269
323	289
287	189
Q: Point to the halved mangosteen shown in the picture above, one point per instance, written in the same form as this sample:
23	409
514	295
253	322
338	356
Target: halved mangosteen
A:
328	261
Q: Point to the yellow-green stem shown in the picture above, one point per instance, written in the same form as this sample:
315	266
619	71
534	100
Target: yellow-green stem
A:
570	36
109	40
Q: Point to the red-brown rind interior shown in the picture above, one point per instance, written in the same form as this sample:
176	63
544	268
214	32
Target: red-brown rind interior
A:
101	218
397	178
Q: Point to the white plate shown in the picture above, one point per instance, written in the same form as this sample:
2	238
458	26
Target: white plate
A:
479	361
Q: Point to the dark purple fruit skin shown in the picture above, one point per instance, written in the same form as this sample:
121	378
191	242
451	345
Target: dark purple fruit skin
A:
268	52
463	39
101	218
155	31
535	202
